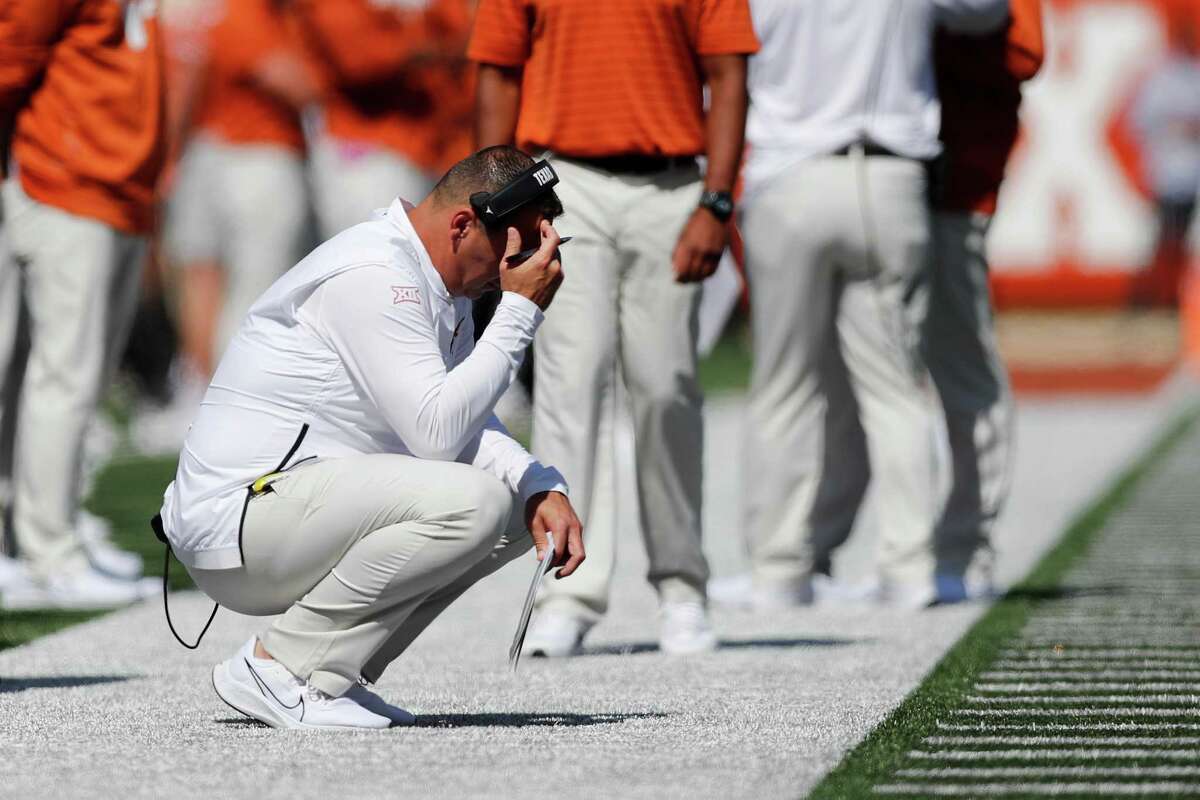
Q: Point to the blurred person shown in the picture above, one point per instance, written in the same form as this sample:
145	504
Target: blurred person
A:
836	226
238	213
979	83
81	98
1166	120
377	131
346	469
615	92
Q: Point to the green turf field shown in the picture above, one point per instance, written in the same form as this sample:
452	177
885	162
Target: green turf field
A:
127	493
1083	625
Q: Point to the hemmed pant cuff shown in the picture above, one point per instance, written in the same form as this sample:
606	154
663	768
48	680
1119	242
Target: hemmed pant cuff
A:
680	590
572	607
330	683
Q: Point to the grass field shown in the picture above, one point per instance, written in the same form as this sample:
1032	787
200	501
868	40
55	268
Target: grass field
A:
1073	711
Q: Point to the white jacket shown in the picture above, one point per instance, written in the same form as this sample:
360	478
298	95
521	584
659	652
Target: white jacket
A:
357	349
834	72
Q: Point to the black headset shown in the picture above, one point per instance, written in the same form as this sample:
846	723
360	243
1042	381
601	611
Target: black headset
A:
492	207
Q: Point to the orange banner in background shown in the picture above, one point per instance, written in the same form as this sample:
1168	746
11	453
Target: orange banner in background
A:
1077	225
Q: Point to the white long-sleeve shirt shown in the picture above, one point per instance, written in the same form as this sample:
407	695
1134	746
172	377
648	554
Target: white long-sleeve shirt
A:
834	72
358	349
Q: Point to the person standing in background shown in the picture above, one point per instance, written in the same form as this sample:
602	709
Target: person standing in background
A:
614	92
376	138
238	213
81	96
1166	120
979	82
836	226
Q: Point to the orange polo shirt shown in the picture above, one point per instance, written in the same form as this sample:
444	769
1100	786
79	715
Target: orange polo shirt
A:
979	83
231	106
610	77
84	81
381	95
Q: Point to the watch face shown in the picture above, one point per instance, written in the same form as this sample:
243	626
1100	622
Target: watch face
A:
719	203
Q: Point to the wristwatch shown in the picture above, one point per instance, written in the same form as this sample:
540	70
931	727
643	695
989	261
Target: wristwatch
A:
719	204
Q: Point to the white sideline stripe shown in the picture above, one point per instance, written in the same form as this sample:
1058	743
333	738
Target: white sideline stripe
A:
1050	772
1148	651
1100	672
1076	712
1067	699
1055	741
1050	789
1066	639
1047	754
1072	727
1091	686
1084	665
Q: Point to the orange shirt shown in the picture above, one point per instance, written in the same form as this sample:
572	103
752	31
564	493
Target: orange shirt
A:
979	83
384	66
610	77
231	106
84	81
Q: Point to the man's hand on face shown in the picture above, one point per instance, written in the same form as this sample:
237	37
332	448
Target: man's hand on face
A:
700	246
539	276
551	511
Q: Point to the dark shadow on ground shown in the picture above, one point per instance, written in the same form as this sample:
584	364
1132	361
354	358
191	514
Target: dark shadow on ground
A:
241	722
629	648
516	720
1041	593
21	683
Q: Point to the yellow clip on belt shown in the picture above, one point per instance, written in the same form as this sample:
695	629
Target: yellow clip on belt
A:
263	483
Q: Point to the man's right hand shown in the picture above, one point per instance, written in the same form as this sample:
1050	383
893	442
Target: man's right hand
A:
538	277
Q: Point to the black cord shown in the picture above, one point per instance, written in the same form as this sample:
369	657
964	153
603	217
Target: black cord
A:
167	605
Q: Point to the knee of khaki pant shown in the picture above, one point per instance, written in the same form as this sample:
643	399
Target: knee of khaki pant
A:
492	506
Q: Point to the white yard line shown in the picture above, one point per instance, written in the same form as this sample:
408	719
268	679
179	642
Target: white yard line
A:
1059	741
1054	754
1076	712
1049	789
1051	772
1092	686
1103	727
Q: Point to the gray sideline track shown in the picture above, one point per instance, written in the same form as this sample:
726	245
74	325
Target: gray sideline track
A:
115	708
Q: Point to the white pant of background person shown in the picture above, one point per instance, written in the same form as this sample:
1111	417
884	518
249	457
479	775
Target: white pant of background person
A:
12	367
620	308
79	278
836	255
960	349
244	207
359	554
350	180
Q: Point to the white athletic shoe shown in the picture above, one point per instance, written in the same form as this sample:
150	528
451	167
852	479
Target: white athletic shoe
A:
362	694
96	535
685	629
555	635
831	591
81	590
962	589
739	592
265	690
12	572
907	596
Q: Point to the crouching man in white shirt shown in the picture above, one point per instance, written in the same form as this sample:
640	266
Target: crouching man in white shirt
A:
345	469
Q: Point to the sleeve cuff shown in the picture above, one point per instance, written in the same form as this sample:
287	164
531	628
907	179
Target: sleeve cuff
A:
539	478
526	308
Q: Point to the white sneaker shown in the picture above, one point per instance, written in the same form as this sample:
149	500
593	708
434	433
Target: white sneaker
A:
265	690
81	590
739	592
831	591
12	572
362	694
961	589
685	629
907	596
555	635
96	535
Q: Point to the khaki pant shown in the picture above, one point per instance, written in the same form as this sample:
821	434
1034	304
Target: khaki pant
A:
836	254
78	280
960	347
360	554
244	207
350	181
620	310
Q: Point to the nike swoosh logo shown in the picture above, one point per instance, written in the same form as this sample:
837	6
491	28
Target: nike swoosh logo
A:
266	691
